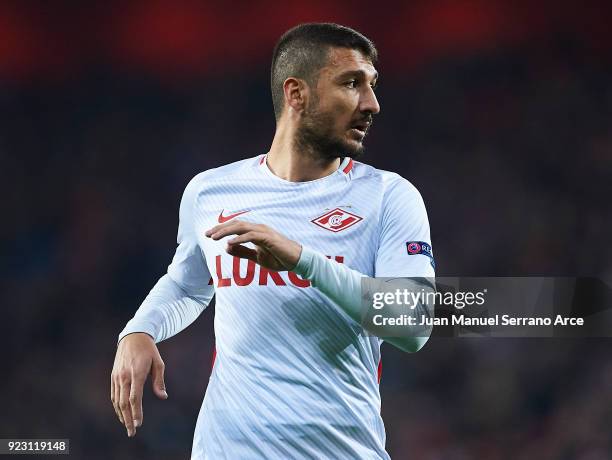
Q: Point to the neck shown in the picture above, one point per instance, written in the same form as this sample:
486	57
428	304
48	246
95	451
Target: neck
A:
287	161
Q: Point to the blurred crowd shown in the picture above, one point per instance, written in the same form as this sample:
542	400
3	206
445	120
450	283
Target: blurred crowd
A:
510	147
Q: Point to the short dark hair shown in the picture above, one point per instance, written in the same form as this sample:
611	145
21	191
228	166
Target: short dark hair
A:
302	51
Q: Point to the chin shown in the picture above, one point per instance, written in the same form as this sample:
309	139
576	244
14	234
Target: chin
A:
353	149
354	153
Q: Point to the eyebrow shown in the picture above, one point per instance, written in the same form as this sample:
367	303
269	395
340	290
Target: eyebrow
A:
356	73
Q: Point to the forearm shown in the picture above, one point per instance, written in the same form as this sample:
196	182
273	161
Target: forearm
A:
166	311
343	285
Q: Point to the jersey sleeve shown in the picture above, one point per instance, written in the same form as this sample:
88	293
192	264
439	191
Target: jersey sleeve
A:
404	248
188	268
181	295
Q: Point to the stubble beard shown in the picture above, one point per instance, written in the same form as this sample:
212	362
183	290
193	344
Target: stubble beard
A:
315	137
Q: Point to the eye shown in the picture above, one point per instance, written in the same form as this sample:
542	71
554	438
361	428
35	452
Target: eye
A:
351	83
374	85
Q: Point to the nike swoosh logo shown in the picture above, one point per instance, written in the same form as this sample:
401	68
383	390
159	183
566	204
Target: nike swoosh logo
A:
223	218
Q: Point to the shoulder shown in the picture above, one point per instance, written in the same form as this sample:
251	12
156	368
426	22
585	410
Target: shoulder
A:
390	183
206	178
221	172
201	181
402	208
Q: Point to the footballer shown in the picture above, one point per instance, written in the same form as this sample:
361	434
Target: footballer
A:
284	240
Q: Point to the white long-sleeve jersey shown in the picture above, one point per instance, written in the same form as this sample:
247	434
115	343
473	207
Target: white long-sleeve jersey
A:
295	376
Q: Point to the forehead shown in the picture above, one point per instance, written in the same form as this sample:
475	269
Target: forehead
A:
342	60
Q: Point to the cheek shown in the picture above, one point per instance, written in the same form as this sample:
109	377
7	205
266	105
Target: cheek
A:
342	113
337	111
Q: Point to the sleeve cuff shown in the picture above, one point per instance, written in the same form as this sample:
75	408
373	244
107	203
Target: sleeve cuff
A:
304	263
135	325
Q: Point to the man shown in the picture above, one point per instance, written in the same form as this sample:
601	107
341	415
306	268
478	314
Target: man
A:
296	372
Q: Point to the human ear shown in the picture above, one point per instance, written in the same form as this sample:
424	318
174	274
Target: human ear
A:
296	94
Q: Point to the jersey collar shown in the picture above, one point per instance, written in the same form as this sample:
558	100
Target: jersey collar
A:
346	165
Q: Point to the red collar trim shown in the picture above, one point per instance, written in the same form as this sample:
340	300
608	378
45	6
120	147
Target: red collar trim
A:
348	167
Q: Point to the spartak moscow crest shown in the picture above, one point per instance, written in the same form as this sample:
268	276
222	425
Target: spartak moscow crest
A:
336	220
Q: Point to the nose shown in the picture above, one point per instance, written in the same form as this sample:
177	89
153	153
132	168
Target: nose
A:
368	102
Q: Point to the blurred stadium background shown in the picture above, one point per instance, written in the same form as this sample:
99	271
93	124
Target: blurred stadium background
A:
500	112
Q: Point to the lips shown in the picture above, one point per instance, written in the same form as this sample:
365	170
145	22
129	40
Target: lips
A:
361	126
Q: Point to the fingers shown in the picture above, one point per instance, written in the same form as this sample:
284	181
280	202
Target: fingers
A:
124	405
242	251
235	227
115	398
157	374
248	237
136	356
136	399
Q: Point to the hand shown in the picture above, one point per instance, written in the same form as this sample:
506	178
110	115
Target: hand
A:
137	355
272	250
